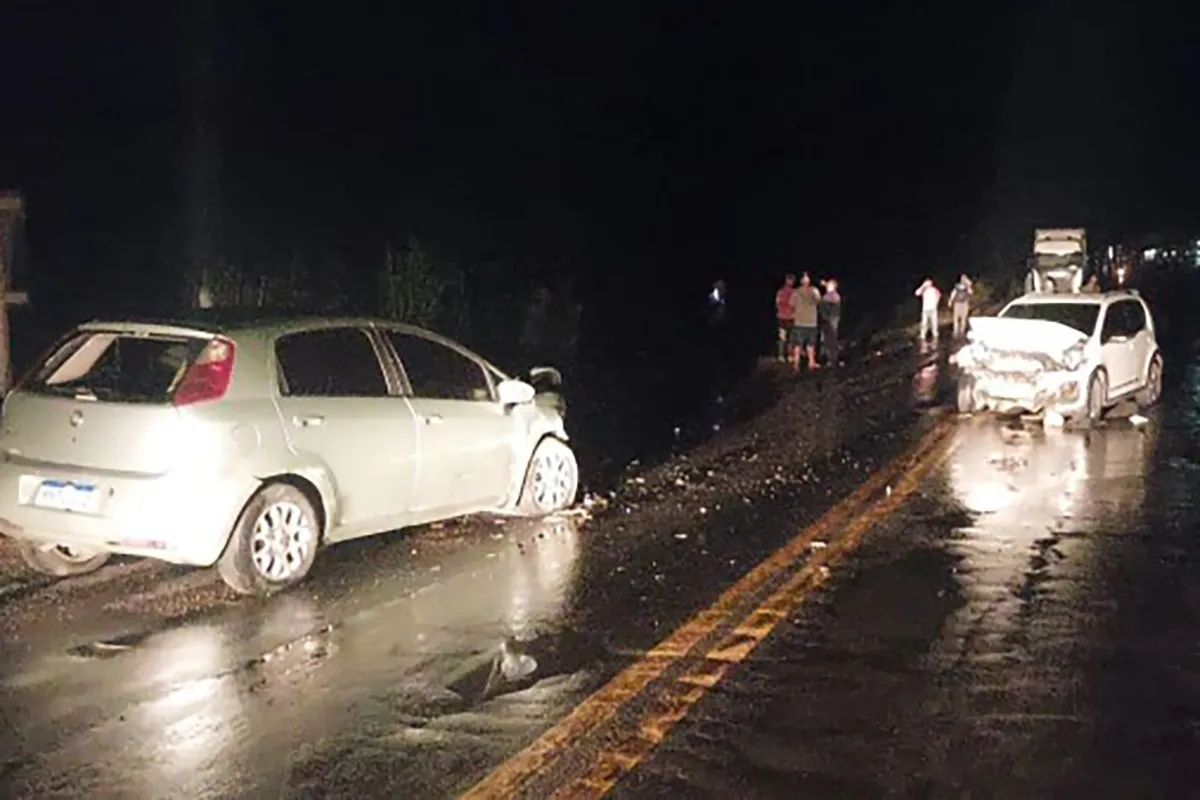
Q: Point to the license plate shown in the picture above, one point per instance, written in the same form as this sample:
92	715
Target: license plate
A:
81	498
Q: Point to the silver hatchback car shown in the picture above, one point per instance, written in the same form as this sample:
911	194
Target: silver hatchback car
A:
251	445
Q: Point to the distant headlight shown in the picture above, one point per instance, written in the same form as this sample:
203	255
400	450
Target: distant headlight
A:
1073	357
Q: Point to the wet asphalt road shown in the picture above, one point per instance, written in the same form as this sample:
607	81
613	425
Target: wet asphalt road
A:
1024	627
992	634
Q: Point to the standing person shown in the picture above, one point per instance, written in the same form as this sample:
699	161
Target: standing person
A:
783	314
830	315
805	300
960	303
930	296
716	304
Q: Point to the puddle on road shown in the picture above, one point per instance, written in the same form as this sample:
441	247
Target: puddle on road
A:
106	648
518	665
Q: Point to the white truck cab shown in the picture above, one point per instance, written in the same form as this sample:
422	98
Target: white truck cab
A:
1058	262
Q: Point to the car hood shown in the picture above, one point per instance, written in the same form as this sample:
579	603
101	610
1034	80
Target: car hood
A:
1024	335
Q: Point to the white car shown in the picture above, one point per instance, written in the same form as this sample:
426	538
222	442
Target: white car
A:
1071	354
252	445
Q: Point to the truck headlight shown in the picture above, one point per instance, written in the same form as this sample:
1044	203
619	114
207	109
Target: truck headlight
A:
1073	357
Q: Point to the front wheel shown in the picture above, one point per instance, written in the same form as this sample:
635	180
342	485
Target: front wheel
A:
551	481
1097	398
965	396
1152	391
60	560
274	542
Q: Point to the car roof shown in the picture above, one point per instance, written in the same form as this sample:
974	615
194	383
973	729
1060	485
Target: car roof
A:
214	322
230	322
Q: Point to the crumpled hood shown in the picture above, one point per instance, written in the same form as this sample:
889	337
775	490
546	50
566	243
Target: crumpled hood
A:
1024	335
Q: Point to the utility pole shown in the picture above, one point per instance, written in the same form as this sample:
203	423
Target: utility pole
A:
12	217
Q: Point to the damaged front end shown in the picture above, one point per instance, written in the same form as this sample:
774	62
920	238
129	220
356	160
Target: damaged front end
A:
1008	380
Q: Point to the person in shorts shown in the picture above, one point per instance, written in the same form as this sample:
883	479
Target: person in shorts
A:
783	314
805	302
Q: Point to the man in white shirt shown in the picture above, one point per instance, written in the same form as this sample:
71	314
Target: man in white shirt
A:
930	296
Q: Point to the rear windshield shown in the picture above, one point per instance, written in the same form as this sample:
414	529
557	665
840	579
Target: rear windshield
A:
115	367
1080	316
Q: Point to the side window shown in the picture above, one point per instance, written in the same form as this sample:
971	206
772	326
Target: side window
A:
340	362
1136	317
438	372
1114	323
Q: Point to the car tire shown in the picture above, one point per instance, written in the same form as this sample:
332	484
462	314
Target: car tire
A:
551	479
1152	391
60	560
273	544
1096	398
964	396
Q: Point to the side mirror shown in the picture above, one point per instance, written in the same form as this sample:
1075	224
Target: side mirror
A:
514	393
547	376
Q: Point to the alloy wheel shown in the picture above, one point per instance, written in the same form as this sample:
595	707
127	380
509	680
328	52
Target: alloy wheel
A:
283	537
553	477
1154	382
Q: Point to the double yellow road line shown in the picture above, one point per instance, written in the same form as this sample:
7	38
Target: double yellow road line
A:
673	676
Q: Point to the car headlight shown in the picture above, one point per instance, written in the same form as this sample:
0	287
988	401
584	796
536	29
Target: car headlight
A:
1073	357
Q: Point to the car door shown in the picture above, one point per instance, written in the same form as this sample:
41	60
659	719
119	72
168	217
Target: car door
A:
1117	347
337	407
464	437
1142	342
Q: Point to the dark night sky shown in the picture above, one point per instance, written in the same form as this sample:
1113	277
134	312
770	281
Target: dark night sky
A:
678	141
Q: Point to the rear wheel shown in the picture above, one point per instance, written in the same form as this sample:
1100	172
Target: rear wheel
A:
1152	391
62	560
551	481
274	542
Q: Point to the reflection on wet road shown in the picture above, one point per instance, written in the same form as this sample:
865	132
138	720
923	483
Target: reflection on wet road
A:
198	710
410	665
1024	628
996	630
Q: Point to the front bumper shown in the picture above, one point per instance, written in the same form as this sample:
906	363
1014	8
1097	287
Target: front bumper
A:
1062	392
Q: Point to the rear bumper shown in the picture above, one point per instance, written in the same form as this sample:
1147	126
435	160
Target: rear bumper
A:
180	519
1064	393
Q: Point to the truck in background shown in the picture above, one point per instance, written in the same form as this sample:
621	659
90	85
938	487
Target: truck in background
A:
1058	261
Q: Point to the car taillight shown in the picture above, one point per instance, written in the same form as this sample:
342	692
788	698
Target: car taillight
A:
209	375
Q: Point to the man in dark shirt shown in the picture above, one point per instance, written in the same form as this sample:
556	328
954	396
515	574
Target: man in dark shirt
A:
830	313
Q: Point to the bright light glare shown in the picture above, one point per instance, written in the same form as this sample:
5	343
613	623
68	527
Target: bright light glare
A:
199	711
188	655
539	585
520	598
987	497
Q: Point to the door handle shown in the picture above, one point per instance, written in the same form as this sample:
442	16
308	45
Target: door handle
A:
433	419
313	421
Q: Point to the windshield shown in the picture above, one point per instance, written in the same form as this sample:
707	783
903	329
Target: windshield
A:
1059	260
1080	316
115	367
